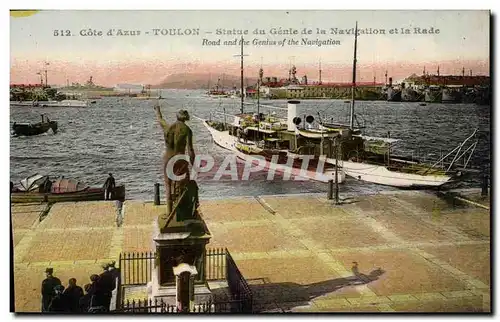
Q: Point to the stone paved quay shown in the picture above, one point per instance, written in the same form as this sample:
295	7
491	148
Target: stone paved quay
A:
402	251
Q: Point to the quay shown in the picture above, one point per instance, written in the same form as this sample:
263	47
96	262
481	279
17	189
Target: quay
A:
397	251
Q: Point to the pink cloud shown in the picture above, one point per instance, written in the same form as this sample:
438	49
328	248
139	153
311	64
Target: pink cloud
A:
153	72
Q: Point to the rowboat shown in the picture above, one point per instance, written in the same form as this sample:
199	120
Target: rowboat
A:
29	129
317	134
38	188
89	194
63	103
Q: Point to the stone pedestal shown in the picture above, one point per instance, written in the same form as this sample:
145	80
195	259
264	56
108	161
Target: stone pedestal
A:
180	245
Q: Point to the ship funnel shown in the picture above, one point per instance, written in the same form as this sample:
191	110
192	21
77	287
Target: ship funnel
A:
292	113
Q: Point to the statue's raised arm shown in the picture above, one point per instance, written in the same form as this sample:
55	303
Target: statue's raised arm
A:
159	117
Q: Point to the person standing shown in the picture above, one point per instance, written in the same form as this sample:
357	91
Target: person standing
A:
60	301
48	286
97	299
73	293
109	187
114	273
84	303
106	286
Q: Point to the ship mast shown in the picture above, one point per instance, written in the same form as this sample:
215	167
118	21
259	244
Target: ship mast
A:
241	76
320	72
242	93
261	74
353	88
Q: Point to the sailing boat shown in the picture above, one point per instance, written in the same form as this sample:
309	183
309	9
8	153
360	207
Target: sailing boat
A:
374	163
255	138
216	92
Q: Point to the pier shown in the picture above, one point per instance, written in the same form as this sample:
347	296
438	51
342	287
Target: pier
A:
405	251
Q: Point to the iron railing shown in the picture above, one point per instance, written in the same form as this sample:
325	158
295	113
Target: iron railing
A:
137	268
160	306
215	264
238	286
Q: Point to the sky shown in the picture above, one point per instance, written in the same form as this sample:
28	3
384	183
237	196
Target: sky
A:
462	42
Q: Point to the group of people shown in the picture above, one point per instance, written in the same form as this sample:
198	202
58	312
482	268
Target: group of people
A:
73	299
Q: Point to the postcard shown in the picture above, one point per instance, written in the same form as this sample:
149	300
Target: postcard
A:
251	161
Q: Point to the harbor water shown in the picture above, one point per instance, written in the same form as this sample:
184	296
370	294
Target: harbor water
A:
121	136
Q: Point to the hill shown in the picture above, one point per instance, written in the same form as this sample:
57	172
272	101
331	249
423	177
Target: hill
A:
202	81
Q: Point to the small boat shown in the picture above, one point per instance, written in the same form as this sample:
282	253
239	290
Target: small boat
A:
23	103
63	103
317	134
218	95
393	94
38	188
337	127
29	129
218	91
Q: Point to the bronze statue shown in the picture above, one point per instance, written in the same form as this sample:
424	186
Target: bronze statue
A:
178	136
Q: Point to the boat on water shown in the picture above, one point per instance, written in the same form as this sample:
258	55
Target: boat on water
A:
370	159
317	133
393	92
409	94
482	95
433	94
253	137
251	143
218	91
40	188
359	156
337	127
30	129
63	103
218	94
452	94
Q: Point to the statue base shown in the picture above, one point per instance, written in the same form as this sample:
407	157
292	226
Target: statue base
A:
180	242
202	293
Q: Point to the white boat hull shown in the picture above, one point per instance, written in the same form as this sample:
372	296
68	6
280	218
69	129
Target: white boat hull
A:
381	175
229	142
65	103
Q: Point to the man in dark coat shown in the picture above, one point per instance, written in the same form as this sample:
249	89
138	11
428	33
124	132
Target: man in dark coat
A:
114	273
59	302
48	286
85	300
97	298
106	285
109	187
73	294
